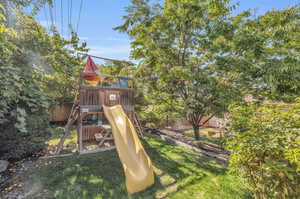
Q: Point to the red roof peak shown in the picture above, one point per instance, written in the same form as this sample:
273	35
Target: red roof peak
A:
90	66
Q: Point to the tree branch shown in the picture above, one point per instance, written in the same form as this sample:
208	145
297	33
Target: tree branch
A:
207	120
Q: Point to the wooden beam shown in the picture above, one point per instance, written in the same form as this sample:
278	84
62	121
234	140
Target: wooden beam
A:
97	150
57	156
106	59
108	133
105	88
80	132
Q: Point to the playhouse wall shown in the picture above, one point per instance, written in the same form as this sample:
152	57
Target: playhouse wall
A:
96	97
107	96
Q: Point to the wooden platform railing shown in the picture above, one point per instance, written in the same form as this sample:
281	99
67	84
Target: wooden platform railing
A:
88	132
89	96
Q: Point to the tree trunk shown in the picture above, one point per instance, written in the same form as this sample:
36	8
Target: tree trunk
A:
196	131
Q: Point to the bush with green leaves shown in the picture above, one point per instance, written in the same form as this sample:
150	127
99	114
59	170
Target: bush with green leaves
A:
23	104
23	113
36	69
265	144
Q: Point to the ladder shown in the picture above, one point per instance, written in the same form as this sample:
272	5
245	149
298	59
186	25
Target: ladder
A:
72	118
138	125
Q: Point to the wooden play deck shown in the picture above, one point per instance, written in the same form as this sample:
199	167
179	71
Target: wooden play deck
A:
97	137
93	130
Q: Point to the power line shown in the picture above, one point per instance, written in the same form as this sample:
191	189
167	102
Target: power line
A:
54	7
80	9
68	8
69	17
46	17
71	25
71	6
51	15
62	17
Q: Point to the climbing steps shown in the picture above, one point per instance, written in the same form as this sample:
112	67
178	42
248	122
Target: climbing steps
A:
72	118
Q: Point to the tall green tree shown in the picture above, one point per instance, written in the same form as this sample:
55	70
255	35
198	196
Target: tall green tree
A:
63	67
263	60
29	58
174	41
264	57
23	104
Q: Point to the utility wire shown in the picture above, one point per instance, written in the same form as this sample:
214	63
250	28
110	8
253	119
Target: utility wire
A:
54	7
68	8
46	17
69	17
80	9
62	17
51	15
71	6
71	25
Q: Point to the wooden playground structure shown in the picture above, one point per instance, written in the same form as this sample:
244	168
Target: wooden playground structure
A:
95	90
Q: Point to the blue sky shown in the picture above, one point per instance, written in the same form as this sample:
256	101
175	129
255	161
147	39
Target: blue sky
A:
99	17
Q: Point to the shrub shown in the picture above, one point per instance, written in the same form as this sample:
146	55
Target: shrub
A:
23	114
34	67
15	145
23	105
265	141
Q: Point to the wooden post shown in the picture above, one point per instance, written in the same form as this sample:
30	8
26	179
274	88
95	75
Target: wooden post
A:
104	138
80	131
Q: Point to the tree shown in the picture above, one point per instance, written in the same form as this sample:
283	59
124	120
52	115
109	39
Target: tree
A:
264	59
29	59
23	104
63	68
264	138
174	42
118	68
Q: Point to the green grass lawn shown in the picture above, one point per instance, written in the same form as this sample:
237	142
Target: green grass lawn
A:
180	174
57	131
70	141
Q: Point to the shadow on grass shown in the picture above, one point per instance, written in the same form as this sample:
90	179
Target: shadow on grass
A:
88	176
189	169
101	175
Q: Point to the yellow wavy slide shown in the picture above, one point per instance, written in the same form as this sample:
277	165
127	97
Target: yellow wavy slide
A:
136	163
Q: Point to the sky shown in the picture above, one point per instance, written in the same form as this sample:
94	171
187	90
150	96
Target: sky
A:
99	17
